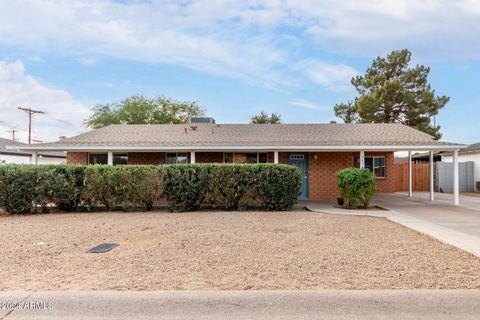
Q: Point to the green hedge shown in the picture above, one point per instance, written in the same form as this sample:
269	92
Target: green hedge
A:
24	188
229	186
356	187
27	188
123	187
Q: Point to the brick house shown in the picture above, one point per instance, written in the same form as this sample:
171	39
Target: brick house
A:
319	150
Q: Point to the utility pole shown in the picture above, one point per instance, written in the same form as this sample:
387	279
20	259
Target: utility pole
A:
30	112
13	134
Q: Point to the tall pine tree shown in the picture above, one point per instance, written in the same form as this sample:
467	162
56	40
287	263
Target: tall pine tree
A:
393	92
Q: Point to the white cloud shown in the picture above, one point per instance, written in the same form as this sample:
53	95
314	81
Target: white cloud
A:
335	76
307	105
87	61
20	89
190	34
440	29
240	38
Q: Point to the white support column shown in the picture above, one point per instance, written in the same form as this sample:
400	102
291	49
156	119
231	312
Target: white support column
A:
362	159
456	191
110	158
432	186
275	157
410	175
192	157
34	159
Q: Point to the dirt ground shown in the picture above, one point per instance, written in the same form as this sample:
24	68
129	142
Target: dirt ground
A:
224	251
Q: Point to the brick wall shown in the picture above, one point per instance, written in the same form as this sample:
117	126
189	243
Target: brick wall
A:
386	185
77	158
146	157
322	181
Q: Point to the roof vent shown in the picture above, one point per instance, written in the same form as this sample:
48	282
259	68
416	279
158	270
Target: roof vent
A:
333	122
208	120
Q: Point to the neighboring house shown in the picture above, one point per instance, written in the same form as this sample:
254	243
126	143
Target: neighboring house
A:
469	154
14	156
319	150
424	157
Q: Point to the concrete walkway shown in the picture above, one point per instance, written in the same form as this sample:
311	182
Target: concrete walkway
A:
323	304
455	225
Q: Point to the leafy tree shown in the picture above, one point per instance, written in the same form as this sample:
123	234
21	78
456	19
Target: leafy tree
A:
142	110
263	118
392	92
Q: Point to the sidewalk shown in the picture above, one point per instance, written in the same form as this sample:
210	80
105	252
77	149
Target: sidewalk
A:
323	304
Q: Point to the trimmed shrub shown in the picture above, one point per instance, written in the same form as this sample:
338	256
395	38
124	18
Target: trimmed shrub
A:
26	188
356	187
17	187
278	186
122	186
23	188
230	186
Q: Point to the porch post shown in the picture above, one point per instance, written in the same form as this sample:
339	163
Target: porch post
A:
275	157
410	182
192	157
34	159
110	158
456	191
432	191
362	159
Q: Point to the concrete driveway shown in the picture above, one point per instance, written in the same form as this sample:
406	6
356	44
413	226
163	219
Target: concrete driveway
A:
458	226
464	218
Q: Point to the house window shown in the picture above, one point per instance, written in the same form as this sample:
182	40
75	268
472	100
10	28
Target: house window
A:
177	158
376	165
120	158
102	158
98	158
245	157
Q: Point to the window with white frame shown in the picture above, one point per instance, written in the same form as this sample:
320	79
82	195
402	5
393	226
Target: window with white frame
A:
97	158
102	158
376	165
245	157
176	158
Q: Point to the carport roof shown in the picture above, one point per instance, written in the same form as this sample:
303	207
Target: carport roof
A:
250	136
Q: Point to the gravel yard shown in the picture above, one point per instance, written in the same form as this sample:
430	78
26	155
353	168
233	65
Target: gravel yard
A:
224	251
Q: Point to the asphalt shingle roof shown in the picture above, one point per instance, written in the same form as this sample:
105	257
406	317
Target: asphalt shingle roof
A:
7	142
185	135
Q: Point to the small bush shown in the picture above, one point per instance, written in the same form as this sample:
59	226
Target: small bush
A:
478	185
356	187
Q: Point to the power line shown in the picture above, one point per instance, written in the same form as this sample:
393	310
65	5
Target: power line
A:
30	112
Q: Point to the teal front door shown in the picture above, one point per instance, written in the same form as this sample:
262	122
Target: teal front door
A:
301	161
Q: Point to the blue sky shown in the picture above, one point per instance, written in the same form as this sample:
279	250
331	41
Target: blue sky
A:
234	57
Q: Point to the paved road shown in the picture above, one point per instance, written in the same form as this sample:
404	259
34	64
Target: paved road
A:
325	304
